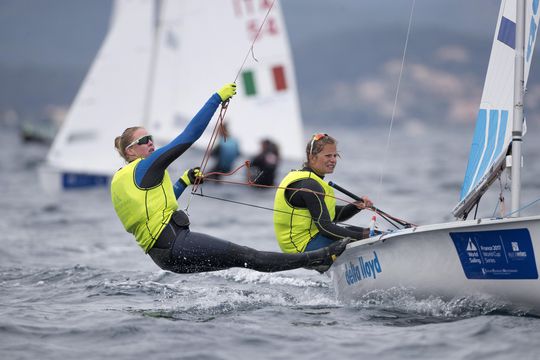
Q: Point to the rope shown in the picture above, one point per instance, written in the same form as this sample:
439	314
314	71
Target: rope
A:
250	50
221	118
280	211
386	151
256	206
501	199
523	207
223	110
389	218
213	138
209	147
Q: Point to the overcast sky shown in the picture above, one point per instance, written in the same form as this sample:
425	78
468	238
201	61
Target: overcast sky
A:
69	32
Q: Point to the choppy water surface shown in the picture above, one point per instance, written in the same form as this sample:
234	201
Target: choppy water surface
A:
73	283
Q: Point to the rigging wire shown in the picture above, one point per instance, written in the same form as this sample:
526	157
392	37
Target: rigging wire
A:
250	50
215	133
261	207
523	207
224	106
386	151
501	199
392	220
208	151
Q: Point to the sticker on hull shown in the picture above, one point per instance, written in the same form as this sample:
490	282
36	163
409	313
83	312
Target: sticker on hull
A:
498	254
367	268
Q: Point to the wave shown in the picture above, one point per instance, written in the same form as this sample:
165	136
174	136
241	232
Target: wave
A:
400	307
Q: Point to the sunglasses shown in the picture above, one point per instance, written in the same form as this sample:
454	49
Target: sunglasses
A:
315	137
140	141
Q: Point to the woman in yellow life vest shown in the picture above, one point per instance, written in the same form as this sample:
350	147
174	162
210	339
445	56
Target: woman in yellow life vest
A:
145	200
305	210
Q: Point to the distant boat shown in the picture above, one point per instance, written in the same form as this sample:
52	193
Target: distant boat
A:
159	63
40	133
493	258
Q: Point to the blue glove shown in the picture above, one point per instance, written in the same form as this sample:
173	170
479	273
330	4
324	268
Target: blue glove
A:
227	91
191	176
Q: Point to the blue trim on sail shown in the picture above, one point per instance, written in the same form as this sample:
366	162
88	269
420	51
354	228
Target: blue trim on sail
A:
531	39
507	32
490	146
484	151
476	152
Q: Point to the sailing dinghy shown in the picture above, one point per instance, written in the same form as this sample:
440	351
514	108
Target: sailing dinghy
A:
491	259
158	64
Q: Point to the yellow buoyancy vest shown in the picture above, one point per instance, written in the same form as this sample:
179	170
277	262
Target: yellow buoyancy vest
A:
294	226
143	212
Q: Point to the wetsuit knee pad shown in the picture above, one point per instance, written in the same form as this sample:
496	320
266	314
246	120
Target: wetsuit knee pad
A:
180	218
162	258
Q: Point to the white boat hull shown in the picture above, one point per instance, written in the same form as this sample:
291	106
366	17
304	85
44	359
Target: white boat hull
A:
494	258
54	180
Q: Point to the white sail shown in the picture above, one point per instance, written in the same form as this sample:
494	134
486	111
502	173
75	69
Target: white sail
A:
493	133
165	112
202	45
158	64
111	97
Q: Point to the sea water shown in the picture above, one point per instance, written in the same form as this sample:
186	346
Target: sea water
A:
74	285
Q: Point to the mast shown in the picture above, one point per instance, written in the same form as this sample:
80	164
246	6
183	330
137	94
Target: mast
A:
517	129
147	107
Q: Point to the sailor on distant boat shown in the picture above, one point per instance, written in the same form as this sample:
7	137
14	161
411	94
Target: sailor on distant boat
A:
145	200
305	210
265	164
225	153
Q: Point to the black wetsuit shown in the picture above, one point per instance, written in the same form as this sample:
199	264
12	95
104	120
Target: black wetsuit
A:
180	250
312	201
266	165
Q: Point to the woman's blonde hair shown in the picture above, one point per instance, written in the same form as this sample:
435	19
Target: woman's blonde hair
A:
316	144
122	141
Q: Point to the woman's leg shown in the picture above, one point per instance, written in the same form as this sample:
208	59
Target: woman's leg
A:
197	252
318	242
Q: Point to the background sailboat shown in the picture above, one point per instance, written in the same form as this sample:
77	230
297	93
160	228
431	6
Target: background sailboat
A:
494	258
111	98
158	64
201	44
